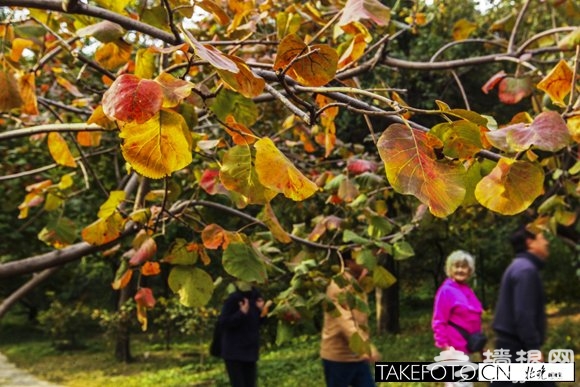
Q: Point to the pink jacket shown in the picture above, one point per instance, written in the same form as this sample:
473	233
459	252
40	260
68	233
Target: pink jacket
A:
458	303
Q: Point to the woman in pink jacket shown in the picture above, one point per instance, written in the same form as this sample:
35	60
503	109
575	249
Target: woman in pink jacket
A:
455	301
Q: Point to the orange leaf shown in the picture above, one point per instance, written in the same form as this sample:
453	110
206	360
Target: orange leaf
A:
9	94
123	281
98	117
158	147
215	9
240	134
150	268
214	237
27	87
69	87
244	81
59	150
493	81
18	45
89	138
513	90
113	55
278	173
317	64
373	10
558	83
145	298
354	51
131	98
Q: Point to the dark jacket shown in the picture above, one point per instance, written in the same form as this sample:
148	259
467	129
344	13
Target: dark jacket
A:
240	333
520	313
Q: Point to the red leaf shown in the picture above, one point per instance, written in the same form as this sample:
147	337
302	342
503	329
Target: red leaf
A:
493	81
210	182
145	252
358	166
131	98
144	297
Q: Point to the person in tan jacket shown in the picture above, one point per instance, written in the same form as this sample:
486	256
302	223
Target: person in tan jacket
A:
342	365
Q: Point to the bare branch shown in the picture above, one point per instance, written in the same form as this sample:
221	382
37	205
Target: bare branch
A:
62	128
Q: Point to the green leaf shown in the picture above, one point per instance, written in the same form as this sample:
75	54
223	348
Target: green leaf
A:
180	255
367	258
194	286
379	226
461	139
59	233
358	345
383	278
402	250
350	236
244	110
244	262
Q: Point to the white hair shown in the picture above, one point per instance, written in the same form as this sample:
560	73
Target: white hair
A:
459	256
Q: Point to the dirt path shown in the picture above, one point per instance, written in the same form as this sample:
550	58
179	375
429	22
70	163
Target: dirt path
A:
10	376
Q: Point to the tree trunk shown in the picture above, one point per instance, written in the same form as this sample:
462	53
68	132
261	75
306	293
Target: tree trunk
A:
123	343
388	312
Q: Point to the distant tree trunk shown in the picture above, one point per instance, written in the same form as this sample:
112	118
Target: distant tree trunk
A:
388	312
123	344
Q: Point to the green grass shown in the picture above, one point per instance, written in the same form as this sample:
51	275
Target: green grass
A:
293	364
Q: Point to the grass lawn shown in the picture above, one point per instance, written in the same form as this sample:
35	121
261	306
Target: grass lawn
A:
293	364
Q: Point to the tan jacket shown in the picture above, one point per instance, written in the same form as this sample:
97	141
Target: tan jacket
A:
337	331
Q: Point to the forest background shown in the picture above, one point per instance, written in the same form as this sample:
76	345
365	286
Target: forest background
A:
157	152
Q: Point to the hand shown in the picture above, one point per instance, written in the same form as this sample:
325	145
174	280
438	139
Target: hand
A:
244	306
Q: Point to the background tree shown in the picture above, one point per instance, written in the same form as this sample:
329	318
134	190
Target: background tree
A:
192	144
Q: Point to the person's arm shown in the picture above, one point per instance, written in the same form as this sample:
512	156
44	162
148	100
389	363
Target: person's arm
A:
527	301
441	314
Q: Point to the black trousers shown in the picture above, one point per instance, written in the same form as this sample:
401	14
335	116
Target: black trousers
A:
242	373
515	346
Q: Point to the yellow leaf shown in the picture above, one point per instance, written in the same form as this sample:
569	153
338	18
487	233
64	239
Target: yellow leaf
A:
244	81
98	117
59	150
174	89
558	83
18	45
462	29
109	207
104	230
268	216
573	124
123	281
27	87
66	181
158	147
9	94
113	54
353	52
145	65
278	173
511	186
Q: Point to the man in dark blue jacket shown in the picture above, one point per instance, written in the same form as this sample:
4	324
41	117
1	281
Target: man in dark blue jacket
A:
240	321
520	313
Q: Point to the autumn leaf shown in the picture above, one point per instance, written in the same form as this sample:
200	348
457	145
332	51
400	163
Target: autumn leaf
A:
123	279
146	63
573	124
27	86
355	49
59	233
215	57
145	300
243	109
511	187
18	45
317	64
461	139
558	83
193	286
244	81
241	135
104	230
109	207
268	216
210	182
9	94
174	89
287	23
131	98
215	9
547	132
113	55
355	10
412	168
180	254
493	81
571	40
144	252
278	173
462	29
158	147
513	90
59	150
238	174
150	268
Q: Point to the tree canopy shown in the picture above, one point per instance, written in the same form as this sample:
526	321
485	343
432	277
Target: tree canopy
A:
263	138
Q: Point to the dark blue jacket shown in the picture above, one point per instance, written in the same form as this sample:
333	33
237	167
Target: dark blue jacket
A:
240	333
520	312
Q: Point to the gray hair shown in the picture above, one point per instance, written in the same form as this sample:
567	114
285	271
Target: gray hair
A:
459	256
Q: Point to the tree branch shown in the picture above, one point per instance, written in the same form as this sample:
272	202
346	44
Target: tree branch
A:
62	128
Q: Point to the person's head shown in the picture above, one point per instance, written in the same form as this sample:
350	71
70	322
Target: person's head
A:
459	266
525	240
